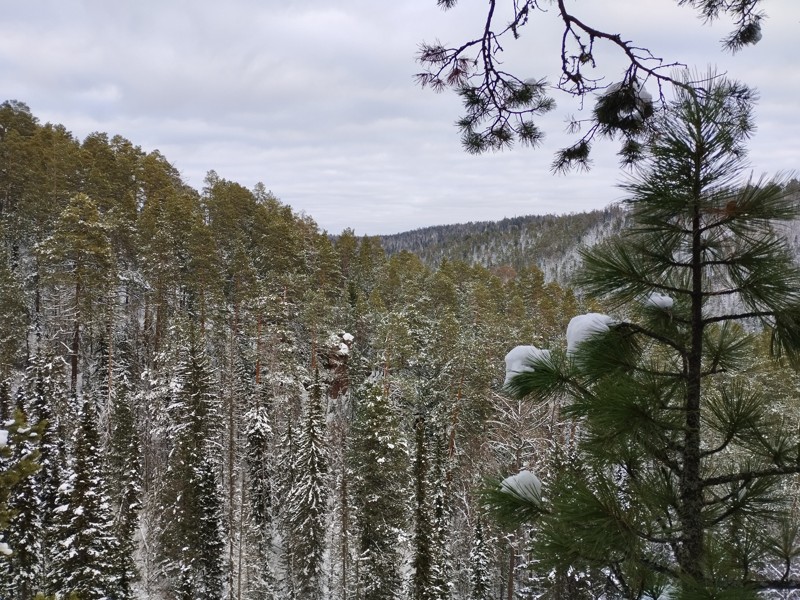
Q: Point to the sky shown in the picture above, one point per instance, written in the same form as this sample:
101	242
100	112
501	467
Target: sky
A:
317	99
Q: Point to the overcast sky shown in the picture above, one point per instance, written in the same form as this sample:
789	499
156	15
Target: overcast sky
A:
316	99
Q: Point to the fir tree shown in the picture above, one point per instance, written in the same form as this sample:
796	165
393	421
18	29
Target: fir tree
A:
678	480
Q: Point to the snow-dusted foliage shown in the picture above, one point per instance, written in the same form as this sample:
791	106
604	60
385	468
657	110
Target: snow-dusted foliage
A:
195	321
307	501
379	455
659	300
524	484
582	327
521	358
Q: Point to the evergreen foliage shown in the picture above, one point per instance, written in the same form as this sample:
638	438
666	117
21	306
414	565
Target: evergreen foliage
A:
191	531
19	527
679	477
379	456
209	463
308	500
86	545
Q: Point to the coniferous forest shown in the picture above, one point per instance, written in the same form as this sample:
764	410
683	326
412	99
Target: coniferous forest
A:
203	395
221	400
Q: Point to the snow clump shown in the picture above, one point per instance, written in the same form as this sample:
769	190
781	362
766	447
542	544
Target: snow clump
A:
3	438
583	327
658	300
4	549
524	484
520	358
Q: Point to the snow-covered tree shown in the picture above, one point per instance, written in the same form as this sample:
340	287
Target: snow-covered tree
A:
480	565
191	531
86	546
379	457
258	454
20	526
679	477
308	499
124	467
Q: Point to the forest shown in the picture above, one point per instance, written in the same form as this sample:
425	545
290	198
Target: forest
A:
218	400
203	395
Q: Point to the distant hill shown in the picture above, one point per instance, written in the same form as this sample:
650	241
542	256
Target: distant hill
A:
551	242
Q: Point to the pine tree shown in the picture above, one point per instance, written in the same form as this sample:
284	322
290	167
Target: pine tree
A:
79	255
308	500
679	477
21	571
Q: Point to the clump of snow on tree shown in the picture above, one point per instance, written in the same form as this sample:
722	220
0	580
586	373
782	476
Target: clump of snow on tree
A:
642	100
524	484
658	300
4	549
3	438
519	360
341	342
583	327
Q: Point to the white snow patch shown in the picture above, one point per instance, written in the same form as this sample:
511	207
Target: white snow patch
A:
3	438
583	327
524	484
658	300
519	360
4	549
344	349
347	337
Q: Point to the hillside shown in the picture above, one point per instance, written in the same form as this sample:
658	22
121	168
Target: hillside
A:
549	242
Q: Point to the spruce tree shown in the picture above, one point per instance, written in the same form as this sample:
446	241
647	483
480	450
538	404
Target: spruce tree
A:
45	389
87	544
421	551
21	571
678	479
380	464
124	466
191	537
480	575
308	500
258	456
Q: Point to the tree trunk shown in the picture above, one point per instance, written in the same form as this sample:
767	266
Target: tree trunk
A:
691	493
76	340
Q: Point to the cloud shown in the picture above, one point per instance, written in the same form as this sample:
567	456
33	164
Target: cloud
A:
317	99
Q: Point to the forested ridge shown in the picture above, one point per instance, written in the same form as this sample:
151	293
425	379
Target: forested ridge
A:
221	400
549	242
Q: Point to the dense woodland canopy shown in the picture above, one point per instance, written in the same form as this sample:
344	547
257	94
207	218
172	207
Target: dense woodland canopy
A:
208	397
232	403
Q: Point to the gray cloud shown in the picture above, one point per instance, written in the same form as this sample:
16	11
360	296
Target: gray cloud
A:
316	99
